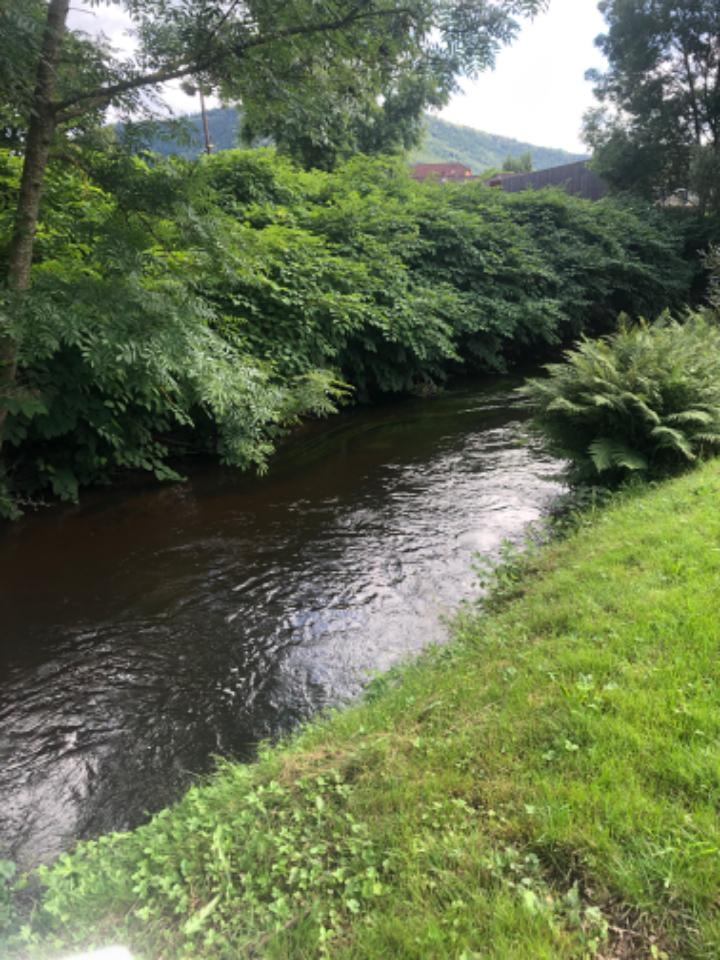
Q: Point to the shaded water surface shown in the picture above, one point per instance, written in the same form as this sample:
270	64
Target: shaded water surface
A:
148	630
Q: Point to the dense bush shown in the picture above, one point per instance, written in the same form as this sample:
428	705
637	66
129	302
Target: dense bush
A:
395	283
712	261
121	358
204	306
644	400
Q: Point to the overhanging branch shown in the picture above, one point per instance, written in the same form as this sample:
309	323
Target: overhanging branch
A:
78	104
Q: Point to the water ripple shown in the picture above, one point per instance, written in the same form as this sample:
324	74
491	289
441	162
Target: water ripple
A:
148	631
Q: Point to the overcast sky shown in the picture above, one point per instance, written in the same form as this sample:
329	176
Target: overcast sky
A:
536	93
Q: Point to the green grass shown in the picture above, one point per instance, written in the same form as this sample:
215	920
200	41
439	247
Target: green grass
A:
546	786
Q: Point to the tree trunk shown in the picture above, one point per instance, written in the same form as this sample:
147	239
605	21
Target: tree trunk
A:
37	149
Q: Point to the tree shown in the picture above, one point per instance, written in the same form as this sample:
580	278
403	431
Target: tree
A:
705	177
328	118
660	97
259	51
521	164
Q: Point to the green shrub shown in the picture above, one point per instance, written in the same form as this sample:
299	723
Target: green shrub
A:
181	308
645	400
712	262
122	357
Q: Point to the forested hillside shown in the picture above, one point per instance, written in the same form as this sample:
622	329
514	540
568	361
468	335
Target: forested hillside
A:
479	150
443	141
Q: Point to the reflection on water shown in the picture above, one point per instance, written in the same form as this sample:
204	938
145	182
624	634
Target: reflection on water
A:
146	631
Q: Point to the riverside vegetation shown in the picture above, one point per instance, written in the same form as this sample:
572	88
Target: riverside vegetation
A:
545	785
645	400
183	307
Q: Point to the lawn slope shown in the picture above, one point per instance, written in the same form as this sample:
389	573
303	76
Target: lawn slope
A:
546	786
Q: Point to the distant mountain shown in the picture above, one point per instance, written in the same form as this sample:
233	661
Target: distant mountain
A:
443	142
224	127
481	151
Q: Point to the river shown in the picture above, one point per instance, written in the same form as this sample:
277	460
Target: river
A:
152	628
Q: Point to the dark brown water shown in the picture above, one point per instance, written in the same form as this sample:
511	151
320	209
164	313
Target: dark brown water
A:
146	631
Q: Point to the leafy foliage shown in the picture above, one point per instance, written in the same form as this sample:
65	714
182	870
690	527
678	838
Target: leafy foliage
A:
119	353
324	79
705	177
179	307
521	164
645	400
712	261
314	863
366	90
658	129
440	141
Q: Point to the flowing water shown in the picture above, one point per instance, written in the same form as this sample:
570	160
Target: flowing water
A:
148	630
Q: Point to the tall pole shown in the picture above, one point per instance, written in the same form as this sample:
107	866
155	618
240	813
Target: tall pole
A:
206	128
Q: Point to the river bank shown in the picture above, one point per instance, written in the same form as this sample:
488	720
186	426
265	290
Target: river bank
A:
544	786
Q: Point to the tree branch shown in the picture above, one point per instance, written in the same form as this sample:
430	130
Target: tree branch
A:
79	103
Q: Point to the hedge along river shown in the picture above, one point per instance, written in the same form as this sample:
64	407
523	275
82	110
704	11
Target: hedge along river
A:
149	630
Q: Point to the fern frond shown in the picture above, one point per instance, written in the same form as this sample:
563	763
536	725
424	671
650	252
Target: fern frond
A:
562	404
601	454
607	454
690	416
629	459
675	440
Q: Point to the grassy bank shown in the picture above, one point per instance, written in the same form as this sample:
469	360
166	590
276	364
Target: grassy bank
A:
545	787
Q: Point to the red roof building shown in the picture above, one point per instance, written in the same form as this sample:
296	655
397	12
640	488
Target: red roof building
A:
443	172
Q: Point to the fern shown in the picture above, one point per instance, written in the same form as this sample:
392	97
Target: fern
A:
701	417
646	399
629	460
607	454
675	440
601	452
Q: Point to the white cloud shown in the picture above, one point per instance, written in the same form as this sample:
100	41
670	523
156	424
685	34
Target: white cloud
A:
109	20
116	25
537	92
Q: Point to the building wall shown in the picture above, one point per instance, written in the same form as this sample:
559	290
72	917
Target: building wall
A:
575	178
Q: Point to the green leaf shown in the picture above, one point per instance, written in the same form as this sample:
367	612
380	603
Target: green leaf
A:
194	923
